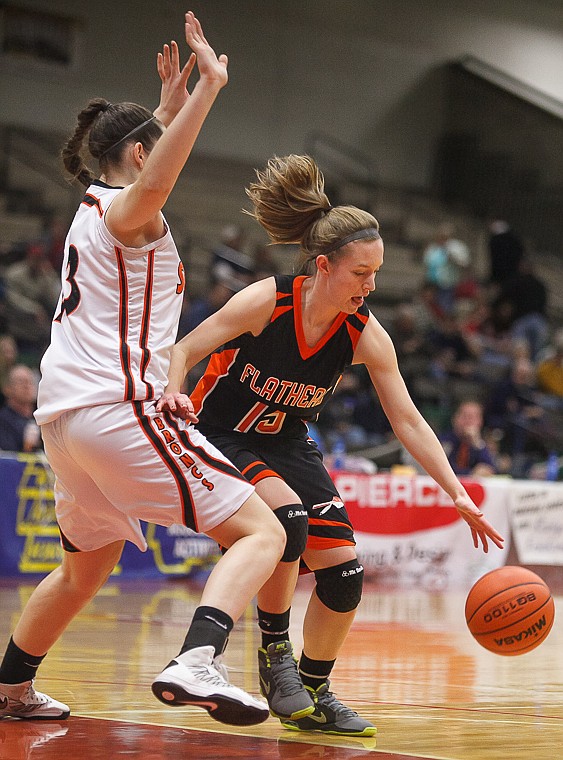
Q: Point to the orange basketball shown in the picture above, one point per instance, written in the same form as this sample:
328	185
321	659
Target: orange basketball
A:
510	611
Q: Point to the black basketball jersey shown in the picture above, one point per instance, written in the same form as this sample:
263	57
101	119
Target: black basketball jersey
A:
274	382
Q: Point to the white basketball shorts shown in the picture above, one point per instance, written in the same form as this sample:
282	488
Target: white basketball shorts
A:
117	464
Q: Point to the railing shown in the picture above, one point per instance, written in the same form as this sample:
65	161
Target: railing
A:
513	85
342	160
23	149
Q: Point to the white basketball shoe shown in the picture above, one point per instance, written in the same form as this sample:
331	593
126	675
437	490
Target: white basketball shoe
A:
193	678
21	700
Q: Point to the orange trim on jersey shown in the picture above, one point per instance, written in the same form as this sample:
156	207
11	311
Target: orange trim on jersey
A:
123	321
318	521
219	465
251	465
145	324
278	311
265	474
354	334
318	542
218	367
305	350
178	472
93	202
362	317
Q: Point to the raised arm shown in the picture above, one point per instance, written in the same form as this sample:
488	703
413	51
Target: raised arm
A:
248	311
375	350
140	203
174	90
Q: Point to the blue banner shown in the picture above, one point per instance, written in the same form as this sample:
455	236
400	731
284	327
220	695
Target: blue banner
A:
29	536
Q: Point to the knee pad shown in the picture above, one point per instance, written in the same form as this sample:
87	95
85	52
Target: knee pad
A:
340	588
295	522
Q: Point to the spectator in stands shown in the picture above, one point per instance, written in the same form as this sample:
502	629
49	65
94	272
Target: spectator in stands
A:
229	258
53	237
487	330
428	312
453	356
18	429
222	287
445	261
353	415
411	343
219	292
467	452
8	358
505	251
550	368
32	292
514	409
524	296
3	305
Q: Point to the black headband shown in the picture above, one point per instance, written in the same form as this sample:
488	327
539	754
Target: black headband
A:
129	134
369	232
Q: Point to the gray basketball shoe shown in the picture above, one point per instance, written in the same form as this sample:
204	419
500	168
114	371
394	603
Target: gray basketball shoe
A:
331	716
281	683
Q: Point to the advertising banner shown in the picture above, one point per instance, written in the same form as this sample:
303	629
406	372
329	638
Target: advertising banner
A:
29	536
536	509
409	533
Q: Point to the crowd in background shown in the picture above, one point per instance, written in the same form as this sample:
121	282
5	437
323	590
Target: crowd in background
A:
479	356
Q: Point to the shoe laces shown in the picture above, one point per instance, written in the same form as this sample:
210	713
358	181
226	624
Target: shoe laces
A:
285	674
32	697
211	674
326	699
220	667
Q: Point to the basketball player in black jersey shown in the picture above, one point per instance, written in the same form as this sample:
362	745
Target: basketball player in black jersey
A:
278	349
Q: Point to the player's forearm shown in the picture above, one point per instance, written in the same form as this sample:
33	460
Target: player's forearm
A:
422	443
178	370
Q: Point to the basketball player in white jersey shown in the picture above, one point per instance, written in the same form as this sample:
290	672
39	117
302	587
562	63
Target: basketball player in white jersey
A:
116	460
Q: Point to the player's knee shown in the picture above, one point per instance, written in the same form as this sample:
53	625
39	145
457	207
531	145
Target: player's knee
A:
295	522
340	587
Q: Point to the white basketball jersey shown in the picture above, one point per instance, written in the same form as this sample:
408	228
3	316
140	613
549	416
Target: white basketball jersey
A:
116	319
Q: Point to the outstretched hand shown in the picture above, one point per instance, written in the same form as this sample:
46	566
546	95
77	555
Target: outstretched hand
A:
174	89
178	404
481	529
209	65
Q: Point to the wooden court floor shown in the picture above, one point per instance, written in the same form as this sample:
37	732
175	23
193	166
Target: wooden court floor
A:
409	665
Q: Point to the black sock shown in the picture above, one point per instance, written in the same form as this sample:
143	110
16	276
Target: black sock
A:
18	666
314	672
209	626
273	626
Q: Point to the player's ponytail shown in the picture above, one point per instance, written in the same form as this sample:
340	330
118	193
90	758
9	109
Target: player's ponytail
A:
109	128
291	205
72	150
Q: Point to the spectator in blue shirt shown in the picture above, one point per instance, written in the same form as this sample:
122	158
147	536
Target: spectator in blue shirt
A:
465	448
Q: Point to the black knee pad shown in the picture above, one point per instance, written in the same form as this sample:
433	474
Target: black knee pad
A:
295	522
340	588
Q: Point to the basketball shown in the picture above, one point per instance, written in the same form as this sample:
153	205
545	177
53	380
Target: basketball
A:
510	611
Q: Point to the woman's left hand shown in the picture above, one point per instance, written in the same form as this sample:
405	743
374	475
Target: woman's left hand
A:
481	529
178	404
174	91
